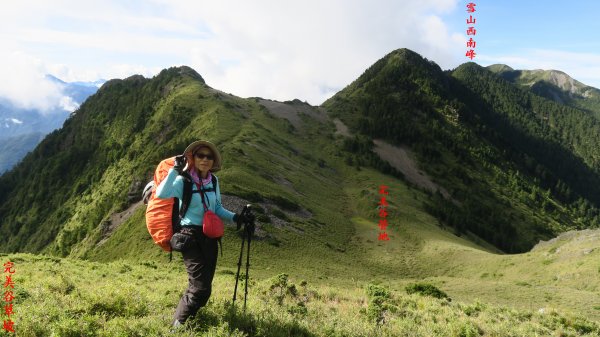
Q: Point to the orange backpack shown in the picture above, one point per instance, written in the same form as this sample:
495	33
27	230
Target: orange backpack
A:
163	215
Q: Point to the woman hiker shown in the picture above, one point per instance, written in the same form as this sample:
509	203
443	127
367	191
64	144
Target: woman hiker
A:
200	260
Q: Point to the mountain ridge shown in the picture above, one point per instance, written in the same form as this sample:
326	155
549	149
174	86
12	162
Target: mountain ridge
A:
316	194
374	106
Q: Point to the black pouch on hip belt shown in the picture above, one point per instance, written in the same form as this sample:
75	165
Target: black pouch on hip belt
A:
183	240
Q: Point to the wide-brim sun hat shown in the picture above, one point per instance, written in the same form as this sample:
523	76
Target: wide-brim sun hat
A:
189	153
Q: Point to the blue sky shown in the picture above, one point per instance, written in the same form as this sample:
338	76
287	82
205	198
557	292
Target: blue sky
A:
508	26
280	49
529	34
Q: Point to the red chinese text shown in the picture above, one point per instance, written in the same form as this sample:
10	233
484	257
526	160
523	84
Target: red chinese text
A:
383	223
471	7
9	284
471	31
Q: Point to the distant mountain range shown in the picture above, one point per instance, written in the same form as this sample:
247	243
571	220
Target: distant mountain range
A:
553	84
511	166
22	129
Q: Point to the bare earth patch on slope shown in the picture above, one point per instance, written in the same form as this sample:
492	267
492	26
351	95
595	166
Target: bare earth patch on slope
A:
401	159
109	226
341	128
291	110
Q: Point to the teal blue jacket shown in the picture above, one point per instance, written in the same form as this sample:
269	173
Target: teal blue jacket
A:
172	187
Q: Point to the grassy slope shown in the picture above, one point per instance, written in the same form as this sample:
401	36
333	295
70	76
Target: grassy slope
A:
137	296
70	297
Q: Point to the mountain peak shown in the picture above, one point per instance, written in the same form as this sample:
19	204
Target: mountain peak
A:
399	63
135	78
499	68
54	79
404	52
181	71
190	72
409	56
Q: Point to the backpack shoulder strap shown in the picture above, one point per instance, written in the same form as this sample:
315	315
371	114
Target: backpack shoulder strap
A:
179	214
214	182
187	194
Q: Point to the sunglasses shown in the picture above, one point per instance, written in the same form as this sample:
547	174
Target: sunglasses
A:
204	155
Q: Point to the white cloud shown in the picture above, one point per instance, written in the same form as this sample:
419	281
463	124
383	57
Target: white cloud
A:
285	51
24	84
68	104
274	49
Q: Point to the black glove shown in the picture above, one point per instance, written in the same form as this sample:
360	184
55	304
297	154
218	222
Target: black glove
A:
179	163
245	217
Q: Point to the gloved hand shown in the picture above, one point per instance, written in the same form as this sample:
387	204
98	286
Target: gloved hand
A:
245	217
179	163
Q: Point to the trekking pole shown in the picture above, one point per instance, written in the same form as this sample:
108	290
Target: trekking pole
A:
249	233
237	276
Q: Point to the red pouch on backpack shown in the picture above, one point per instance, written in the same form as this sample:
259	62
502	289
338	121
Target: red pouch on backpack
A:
213	226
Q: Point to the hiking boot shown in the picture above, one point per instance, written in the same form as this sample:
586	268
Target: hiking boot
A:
176	326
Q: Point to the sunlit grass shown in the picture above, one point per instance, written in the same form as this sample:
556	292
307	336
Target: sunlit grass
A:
67	297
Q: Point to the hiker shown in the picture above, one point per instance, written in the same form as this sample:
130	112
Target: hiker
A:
203	159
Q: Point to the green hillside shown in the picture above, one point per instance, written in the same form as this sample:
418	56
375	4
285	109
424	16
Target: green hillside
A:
518	168
315	193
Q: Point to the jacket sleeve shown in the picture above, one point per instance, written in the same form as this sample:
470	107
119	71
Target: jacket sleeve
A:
221	211
171	186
